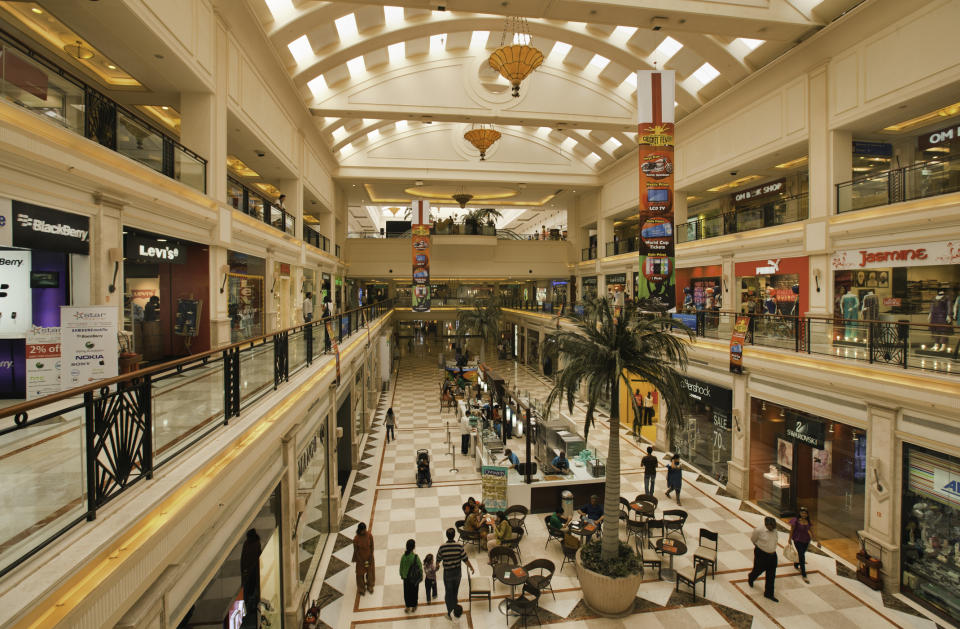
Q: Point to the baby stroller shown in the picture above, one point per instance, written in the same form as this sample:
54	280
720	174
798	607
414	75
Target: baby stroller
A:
424	478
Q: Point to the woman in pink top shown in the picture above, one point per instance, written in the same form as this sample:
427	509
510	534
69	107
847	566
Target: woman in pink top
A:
801	534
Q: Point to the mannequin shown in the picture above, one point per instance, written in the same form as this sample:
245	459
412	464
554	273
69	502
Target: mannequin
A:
795	310
688	300
849	305
940	314
717	299
710	305
870	308
770	303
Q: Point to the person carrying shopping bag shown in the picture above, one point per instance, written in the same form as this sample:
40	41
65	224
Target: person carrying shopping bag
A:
801	534
411	571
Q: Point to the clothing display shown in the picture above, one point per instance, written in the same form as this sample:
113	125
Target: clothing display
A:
850	306
870	309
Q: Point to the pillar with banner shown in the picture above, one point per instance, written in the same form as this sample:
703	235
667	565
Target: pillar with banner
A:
420	236
655	136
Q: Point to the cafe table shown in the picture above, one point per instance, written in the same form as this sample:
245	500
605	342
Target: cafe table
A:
511	575
673	548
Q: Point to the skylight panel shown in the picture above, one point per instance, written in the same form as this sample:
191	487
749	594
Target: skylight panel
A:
631	79
568	144
401	125
397	52
300	49
592	159
339	133
373	136
706	73
356	66
544	130
599	62
611	145
317	85
751	44
438	42
393	15
559	51
623	33
667	48
346	149
280	8
479	39
346	26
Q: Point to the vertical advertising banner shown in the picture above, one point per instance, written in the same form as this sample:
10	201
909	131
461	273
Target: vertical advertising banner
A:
89	346
420	232
737	339
43	362
655	96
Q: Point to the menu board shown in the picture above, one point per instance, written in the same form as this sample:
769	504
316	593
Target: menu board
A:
494	487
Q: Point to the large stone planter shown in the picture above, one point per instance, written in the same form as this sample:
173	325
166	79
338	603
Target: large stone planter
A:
608	596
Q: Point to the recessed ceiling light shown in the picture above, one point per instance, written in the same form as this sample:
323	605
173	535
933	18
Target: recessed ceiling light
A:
37	11
164	107
111	66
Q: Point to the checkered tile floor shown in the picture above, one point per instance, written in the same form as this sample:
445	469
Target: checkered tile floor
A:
384	494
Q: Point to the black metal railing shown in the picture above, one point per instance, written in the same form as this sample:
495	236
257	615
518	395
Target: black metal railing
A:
625	245
32	81
312	237
259	207
589	253
917	181
776	212
461	230
78	449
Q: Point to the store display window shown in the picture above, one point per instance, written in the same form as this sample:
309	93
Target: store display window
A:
704	437
773	286
313	495
930	530
590	287
638	391
360	423
700	288
245	297
798	459
533	347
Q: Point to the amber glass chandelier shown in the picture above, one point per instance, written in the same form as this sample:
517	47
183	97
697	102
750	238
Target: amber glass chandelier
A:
516	57
482	136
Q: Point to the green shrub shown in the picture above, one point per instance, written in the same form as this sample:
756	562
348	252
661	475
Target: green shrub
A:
626	563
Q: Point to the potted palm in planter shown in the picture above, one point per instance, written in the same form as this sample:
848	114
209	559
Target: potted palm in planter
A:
475	219
482	320
597	356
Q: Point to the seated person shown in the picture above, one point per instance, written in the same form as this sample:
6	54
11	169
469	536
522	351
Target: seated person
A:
560	462
502	532
593	511
474	524
423	473
557	521
508	455
469	505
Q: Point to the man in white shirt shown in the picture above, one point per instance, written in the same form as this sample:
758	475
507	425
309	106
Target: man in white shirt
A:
308	308
764	540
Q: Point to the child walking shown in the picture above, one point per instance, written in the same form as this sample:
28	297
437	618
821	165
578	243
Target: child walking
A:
430	578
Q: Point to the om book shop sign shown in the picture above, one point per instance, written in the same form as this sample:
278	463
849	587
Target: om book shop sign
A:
655	128
420	232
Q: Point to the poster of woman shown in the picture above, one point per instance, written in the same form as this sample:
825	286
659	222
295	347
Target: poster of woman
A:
822	462
785	453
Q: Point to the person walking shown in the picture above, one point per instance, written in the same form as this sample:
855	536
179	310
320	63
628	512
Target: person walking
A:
764	540
450	555
308	308
801	534
363	558
648	409
429	578
390	422
638	413
411	571
675	478
650	465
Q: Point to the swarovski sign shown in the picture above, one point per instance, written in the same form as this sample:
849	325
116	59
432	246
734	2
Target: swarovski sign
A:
806	431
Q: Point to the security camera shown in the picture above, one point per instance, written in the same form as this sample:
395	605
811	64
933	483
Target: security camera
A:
441	7
733	173
260	153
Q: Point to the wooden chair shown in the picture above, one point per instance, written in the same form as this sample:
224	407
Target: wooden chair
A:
673	520
502	555
647	562
570	547
542	580
526	604
471	537
481	587
638	531
691	575
447	401
707	552
552	533
647	498
624	509
458	525
654	525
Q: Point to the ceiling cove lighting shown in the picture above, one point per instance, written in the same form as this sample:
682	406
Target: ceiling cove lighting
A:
317	85
356	66
667	48
943	112
599	62
438	43
280	8
393	15
479	39
793	163
733	184
751	44
705	73
397	52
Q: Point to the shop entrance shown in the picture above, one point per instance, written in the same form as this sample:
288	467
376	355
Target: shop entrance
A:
639	389
344	443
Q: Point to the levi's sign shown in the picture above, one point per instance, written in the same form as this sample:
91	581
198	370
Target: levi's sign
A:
152	250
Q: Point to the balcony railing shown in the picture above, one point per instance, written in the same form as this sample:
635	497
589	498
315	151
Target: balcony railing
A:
627	245
917	181
458	230
79	449
259	207
35	83
590	253
315	238
779	212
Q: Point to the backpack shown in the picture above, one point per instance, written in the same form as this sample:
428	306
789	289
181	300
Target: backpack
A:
415	573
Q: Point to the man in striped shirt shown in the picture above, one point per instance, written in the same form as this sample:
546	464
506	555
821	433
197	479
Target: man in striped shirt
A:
450	555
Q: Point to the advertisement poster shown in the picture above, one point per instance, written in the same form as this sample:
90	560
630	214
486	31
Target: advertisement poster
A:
737	339
494	486
822	462
16	298
43	362
188	314
335	345
784	453
655	136
140	290
88	344
420	231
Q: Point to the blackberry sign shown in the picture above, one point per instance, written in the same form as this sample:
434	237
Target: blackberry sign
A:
36	227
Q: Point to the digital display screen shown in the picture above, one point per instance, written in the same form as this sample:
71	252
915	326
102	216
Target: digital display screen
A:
658	195
44	279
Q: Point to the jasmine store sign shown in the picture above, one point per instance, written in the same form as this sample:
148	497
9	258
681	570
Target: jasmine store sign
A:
806	431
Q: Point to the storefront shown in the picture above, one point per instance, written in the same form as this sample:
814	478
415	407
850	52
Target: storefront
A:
772	286
533	348
616	283
313	525
704	438
308	286
166	282
326	293
700	288
940	143
589	287
358	396
798	459
930	515
245	298
45	265
285	302
916	283
639	390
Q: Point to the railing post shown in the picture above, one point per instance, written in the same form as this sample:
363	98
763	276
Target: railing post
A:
146	400
90	439
231	384
870	341
281	371
904	329
796	334
807	333
701	323
308	339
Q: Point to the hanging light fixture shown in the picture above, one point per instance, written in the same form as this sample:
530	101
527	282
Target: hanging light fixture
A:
482	136
516	57
462	197
78	50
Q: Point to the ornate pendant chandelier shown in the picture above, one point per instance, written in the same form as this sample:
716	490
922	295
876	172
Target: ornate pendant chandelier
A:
462	198
482	136
516	57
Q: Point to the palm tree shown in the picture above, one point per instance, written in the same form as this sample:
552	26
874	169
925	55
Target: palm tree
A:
483	321
598	355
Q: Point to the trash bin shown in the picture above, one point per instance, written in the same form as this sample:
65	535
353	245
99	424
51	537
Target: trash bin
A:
566	501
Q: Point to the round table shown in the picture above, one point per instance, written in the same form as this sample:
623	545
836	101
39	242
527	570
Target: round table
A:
679	548
643	508
504	574
577	528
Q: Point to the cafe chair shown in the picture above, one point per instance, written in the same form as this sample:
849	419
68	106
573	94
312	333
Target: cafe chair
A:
525	604
673	520
570	547
447	401
480	588
514	543
517	516
691	575
653	526
707	550
637	530
624	509
458	525
541	581
650	559
552	533
471	537
502	555
647	498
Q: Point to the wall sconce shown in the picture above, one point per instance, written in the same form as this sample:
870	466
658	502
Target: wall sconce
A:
816	277
726	289
225	268
115	256
736	421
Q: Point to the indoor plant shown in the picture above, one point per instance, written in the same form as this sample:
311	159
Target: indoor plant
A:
598	355
482	320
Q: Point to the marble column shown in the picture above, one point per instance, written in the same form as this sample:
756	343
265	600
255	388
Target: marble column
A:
881	522
738	469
